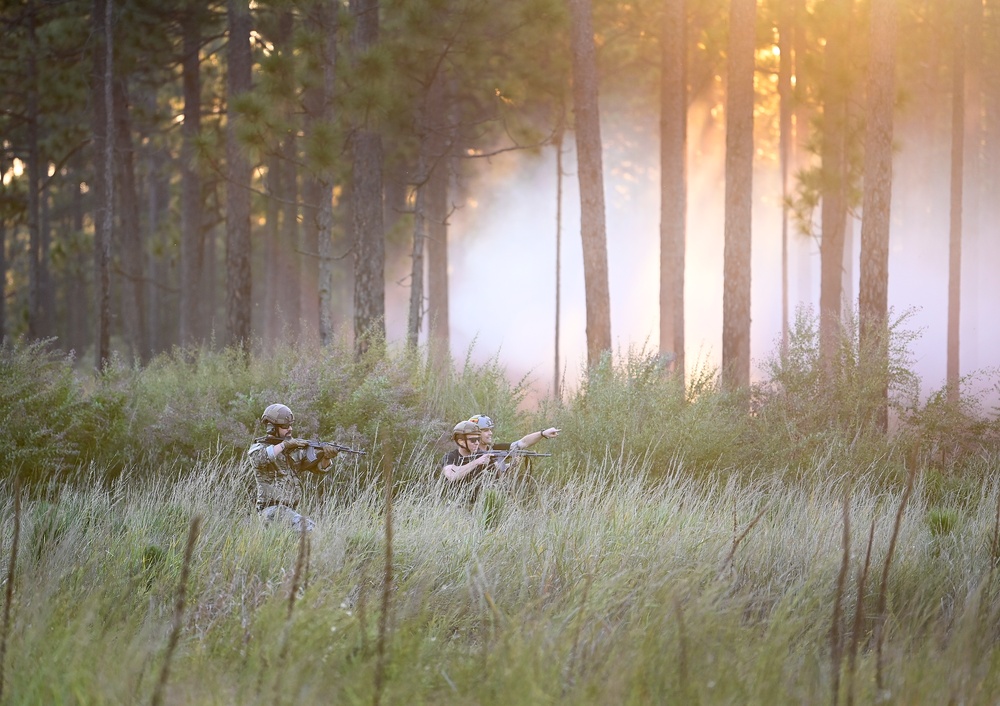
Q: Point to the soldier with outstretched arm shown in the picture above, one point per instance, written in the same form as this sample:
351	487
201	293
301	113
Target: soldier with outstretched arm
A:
487	444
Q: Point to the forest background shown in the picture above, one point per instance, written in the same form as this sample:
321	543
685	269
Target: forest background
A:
470	105
368	210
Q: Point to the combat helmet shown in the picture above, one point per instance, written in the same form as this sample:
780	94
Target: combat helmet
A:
482	421
277	415
464	429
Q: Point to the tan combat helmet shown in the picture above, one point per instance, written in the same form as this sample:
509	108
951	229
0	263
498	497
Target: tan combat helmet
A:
464	429
277	415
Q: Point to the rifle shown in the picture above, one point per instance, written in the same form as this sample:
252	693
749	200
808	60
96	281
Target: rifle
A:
314	446
505	453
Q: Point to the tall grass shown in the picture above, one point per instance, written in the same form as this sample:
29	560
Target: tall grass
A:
606	589
682	544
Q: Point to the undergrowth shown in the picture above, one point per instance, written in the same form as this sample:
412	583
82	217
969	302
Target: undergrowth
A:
197	404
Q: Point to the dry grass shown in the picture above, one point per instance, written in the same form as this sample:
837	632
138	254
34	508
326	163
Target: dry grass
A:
583	591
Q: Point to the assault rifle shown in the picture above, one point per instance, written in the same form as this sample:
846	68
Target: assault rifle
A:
314	447
506	453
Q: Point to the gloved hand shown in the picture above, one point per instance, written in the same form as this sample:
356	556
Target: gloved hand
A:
330	451
291	443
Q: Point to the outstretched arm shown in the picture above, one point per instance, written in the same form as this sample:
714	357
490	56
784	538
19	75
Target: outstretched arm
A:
534	437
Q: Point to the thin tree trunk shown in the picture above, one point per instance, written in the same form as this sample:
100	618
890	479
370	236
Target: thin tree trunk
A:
318	104
131	236
192	307
3	272
590	169
77	297
46	293
289	278
33	171
673	181
432	159
786	20
366	202
560	134
238	282
799	148
739	191
104	182
973	140
417	254
955	230
990	214
437	261
833	211
273	327
157	200
873	298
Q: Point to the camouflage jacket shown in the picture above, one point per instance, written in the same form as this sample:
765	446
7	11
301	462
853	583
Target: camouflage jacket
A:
277	475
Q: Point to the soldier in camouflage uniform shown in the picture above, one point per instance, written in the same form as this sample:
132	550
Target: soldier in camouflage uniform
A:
278	459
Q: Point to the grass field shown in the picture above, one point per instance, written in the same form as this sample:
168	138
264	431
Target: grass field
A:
621	585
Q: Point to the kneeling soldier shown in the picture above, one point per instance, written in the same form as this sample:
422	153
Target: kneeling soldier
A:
278	459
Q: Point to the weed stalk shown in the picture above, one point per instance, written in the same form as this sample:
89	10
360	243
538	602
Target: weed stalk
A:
859	617
383	622
297	578
175	630
880	611
836	638
9	598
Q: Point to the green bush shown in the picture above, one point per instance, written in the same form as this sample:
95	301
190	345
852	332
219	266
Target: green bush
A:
43	411
398	404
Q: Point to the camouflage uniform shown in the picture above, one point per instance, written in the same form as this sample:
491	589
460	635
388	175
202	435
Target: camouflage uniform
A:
279	487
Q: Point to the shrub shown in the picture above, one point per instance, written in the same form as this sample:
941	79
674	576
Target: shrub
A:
43	410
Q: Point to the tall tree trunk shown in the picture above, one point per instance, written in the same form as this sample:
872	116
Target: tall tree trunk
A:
558	144
192	307
799	148
439	344
786	23
3	270
33	171
973	140
238	281
673	181
289	279
739	192
833	211
873	297
131	237
955	230
271	233
366	202
990	214
46	293
104	210
318	101
77	298
590	170
157	200
417	255
432	159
